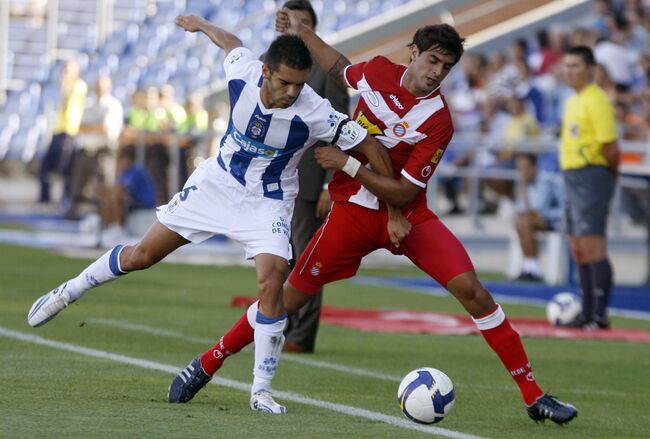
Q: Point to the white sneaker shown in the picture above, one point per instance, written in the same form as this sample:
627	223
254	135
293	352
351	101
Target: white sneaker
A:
48	306
262	401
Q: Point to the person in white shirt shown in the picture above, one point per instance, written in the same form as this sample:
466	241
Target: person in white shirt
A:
96	144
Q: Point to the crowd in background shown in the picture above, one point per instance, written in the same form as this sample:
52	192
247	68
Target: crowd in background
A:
513	100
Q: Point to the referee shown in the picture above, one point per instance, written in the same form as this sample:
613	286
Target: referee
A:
589	158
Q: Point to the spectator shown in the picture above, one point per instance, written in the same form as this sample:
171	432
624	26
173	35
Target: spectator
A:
145	129
59	153
96	145
133	189
193	128
539	206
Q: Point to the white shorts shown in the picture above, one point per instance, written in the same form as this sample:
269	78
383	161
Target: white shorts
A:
213	202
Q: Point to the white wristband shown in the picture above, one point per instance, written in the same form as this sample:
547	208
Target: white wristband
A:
351	166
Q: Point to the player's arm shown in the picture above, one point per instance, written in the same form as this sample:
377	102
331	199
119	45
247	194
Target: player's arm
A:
330	59
219	36
381	184
613	156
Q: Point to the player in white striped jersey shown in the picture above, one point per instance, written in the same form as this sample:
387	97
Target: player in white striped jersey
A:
246	193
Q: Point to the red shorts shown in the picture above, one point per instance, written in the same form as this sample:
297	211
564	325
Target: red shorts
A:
352	231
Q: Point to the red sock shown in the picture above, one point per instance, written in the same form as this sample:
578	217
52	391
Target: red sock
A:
505	341
238	337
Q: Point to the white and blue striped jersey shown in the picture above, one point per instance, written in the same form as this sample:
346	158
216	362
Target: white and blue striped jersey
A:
262	147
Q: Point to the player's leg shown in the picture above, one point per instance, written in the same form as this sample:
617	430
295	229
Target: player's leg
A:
334	252
588	194
157	243
270	322
596	274
434	249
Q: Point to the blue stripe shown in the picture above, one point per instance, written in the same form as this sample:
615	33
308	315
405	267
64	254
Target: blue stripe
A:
113	261
298	135
256	129
261	318
235	88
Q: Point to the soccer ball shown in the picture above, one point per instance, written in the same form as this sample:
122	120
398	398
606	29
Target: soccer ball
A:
426	395
563	308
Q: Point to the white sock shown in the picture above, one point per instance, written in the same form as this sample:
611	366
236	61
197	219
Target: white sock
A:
251	313
104	269
531	265
269	340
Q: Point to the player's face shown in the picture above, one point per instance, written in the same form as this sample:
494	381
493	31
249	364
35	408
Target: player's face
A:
428	69
576	72
282	87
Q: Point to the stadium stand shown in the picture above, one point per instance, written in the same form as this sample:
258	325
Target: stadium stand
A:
137	44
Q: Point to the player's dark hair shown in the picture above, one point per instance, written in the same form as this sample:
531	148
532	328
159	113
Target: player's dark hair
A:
583	52
441	36
302	5
290	51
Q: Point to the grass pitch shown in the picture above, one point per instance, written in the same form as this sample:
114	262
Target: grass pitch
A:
171	312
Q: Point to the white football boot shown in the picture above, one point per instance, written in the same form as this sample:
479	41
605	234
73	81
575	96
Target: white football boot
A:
48	306
262	401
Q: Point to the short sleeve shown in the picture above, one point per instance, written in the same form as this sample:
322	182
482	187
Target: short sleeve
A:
356	72
603	119
426	155
238	61
331	126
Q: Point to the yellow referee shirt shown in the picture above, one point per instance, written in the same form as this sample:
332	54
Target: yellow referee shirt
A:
589	122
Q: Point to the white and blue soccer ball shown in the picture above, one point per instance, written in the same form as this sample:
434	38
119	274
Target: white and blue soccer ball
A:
426	395
563	308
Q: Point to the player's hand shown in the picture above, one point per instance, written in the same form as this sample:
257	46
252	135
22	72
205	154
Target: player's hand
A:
324	204
190	23
286	22
398	227
330	157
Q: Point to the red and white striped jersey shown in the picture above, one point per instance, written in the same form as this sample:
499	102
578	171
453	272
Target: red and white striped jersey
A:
416	130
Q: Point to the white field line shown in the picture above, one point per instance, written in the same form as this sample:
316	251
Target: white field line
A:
301	359
289	396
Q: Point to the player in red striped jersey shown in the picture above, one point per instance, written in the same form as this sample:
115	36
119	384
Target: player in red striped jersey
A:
403	108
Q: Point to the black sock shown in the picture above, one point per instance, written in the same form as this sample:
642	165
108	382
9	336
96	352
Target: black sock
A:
586	283
601	273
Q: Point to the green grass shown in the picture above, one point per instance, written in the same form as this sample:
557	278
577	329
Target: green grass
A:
49	392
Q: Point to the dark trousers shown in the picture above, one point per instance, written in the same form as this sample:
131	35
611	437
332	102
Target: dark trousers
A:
157	162
84	168
303	326
57	159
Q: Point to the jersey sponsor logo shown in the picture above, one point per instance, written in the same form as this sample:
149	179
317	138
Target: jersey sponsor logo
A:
574	129
396	101
400	129
372	129
436	156
371	98
281	226
350	132
252	147
426	171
